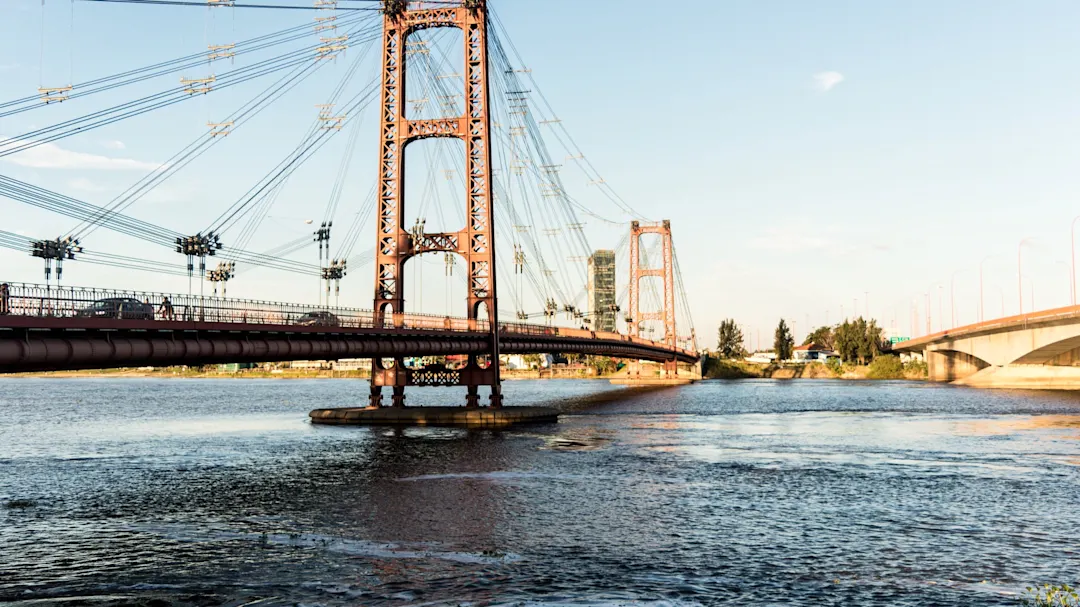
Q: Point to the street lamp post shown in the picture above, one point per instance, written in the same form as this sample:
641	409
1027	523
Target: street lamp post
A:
1072	256
1019	272
952	298
929	327
941	306
982	296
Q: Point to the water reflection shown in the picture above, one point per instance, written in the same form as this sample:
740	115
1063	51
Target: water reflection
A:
717	493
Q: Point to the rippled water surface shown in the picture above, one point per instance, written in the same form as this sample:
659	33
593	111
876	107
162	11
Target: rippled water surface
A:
204	492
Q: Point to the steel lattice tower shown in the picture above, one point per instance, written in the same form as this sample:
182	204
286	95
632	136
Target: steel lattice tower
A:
476	242
666	272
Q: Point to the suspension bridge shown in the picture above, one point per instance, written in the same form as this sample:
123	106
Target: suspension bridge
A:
502	164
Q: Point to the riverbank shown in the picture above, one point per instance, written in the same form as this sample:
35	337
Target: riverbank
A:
884	367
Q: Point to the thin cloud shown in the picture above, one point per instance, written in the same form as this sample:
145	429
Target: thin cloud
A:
825	81
52	156
85	185
114	144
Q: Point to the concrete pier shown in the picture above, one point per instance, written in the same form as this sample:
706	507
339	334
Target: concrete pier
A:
435	416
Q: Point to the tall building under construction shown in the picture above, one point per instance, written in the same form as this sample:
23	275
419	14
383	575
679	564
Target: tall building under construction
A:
602	307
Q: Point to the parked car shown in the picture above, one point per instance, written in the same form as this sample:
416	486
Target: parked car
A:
319	319
118	307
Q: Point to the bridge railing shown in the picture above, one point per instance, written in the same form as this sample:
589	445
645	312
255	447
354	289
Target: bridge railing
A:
553	331
18	299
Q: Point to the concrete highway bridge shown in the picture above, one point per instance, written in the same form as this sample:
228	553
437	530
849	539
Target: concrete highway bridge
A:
1036	350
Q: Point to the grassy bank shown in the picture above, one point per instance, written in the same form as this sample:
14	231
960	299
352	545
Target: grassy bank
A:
883	367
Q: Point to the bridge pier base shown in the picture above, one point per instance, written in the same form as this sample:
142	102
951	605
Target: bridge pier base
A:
486	417
375	398
399	397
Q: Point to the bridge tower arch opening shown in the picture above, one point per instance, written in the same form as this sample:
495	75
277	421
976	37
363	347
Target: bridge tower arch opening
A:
664	273
475	243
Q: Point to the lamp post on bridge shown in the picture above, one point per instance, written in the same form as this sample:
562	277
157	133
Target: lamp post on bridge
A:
952	296
982	297
1019	272
1031	284
929	327
1072	256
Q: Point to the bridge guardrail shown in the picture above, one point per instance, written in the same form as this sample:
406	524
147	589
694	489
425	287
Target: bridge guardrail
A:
33	300
80	302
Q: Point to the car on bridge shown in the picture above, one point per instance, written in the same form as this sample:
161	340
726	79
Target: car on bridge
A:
126	308
319	319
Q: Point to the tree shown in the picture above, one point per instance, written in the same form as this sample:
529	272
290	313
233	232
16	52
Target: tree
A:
858	340
729	340
783	342
822	336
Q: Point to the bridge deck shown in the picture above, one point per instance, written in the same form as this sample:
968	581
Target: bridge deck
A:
63	329
996	325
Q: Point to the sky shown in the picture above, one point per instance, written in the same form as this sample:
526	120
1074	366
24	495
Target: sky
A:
814	158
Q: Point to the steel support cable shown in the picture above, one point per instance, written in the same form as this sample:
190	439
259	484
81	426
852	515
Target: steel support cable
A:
257	218
194	3
201	56
232	214
79	210
682	291
288	246
499	193
269	198
126	259
65	205
146	104
352	235
126	225
536	148
177	271
316	131
138	111
342	173
536	249
433	83
258	259
138	75
499	49
304	53
204	142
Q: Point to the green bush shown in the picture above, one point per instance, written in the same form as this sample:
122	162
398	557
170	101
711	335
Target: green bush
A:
1051	596
730	369
886	367
915	368
834	365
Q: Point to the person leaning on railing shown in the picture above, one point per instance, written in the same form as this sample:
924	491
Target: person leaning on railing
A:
5	299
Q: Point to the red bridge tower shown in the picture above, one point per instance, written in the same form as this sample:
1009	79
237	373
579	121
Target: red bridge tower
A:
666	271
476	242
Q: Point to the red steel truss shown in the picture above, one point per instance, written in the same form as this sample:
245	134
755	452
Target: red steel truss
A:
666	271
396	244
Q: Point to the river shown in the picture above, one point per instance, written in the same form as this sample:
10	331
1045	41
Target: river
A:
204	492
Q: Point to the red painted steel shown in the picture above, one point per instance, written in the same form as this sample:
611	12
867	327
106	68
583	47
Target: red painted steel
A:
475	242
666	272
46	329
